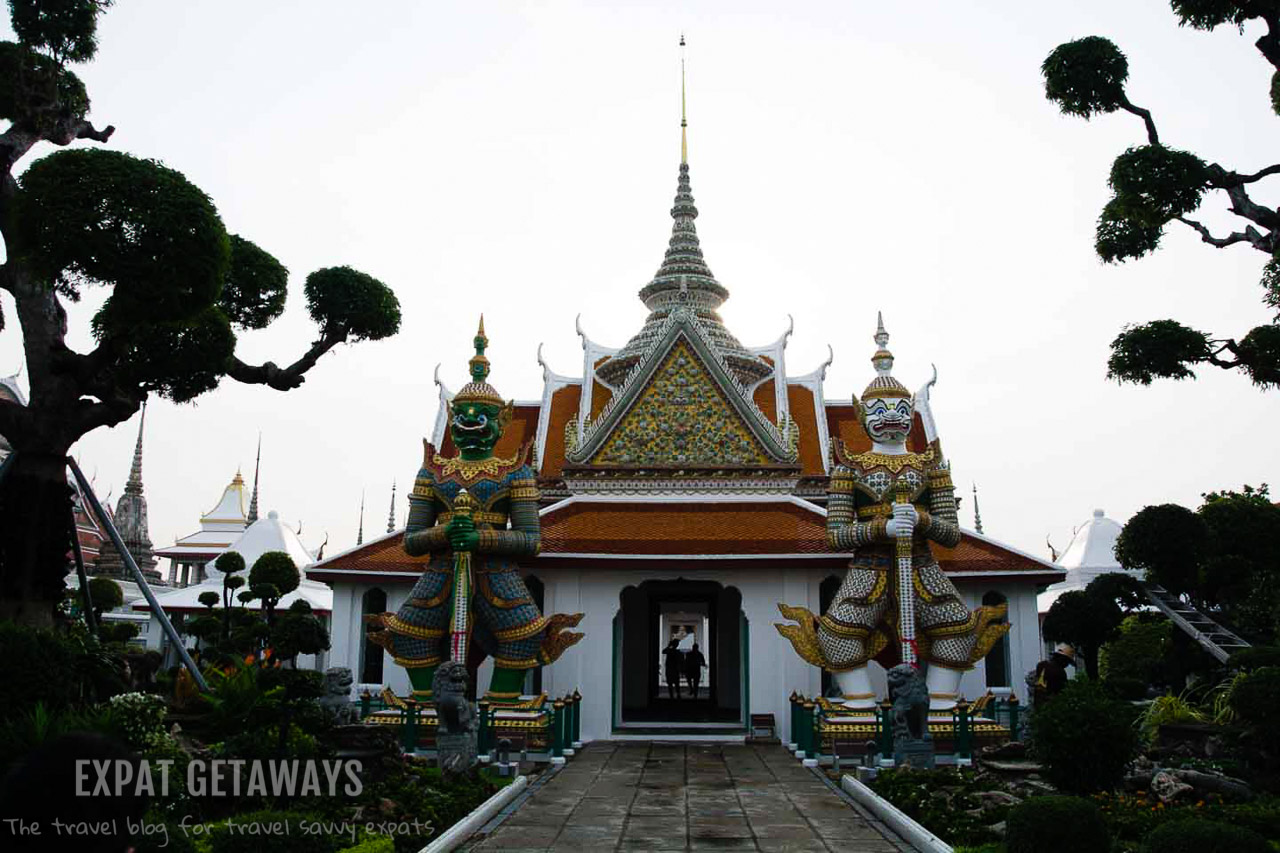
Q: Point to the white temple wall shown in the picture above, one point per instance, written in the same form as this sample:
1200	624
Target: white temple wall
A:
594	589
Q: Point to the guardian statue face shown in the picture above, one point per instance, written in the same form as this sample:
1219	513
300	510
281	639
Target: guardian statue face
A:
888	419
476	427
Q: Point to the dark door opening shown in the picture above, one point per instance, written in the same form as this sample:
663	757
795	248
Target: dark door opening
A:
703	612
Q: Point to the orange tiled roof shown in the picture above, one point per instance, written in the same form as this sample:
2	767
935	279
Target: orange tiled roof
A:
765	400
755	529
564	405
683	528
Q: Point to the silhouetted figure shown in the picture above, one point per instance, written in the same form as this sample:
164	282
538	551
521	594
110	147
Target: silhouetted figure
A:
672	660
694	664
1051	674
42	788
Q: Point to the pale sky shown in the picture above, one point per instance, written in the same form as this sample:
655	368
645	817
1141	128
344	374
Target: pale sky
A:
520	159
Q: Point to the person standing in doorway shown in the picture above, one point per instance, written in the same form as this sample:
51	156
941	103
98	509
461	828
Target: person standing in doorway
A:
672	660
694	664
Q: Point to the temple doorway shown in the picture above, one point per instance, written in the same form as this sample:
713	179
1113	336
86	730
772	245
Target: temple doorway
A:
666	628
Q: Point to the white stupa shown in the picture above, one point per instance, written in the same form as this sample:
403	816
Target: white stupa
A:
265	534
1092	552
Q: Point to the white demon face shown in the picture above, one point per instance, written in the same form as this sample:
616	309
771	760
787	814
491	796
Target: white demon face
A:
888	419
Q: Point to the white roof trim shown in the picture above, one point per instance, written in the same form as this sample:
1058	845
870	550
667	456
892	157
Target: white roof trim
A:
729	498
1053	567
442	413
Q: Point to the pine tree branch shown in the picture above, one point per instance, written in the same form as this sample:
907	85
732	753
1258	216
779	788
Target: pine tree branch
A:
286	378
1145	115
1249	235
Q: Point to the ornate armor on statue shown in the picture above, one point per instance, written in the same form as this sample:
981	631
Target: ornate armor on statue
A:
476	514
876	501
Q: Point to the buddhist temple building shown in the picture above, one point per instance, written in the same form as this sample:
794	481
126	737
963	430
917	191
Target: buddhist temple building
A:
1091	552
219	528
130	519
265	534
683	478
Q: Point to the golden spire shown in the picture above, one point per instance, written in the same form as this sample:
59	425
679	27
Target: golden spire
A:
684	122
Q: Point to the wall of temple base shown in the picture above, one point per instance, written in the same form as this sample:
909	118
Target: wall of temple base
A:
595	588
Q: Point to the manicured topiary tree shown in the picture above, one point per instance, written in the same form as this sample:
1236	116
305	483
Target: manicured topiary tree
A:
1084	738
1154	185
180	287
1090	617
273	576
229	563
1056	825
298	631
106	595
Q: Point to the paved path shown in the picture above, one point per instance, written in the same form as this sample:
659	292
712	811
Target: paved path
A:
675	796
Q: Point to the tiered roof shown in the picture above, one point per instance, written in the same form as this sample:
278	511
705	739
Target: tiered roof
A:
219	527
684	445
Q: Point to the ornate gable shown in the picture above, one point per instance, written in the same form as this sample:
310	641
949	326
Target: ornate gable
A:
681	406
681	417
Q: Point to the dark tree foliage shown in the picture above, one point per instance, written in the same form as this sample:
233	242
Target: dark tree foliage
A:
66	29
1161	349
229	562
106	594
273	576
208	598
1154	185
1222	557
1090	617
179	285
1168	542
1085	739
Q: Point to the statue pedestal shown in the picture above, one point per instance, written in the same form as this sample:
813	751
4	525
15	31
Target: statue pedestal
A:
456	754
916	753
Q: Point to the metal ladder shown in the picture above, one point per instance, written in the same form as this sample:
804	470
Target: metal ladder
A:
1215	639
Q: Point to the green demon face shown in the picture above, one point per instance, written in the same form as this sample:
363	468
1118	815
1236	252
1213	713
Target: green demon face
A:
476	428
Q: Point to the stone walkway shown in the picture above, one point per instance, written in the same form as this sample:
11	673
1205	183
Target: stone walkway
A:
675	796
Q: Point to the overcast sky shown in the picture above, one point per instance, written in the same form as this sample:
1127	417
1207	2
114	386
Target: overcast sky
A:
520	159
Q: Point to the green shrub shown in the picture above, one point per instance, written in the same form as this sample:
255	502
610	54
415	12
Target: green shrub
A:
30	658
1084	738
1136	657
1255	698
376	844
1202	836
1056	825
1254	657
170	839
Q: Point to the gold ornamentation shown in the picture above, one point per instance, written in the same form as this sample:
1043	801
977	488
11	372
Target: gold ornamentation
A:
989	629
470	469
681	418
556	640
892	461
480	516
803	635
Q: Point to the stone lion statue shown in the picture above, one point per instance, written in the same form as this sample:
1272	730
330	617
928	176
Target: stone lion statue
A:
449	689
336	701
910	698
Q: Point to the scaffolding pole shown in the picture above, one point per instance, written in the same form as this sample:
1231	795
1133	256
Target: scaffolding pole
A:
141	580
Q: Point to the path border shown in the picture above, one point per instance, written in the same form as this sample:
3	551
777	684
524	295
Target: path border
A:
457	834
913	833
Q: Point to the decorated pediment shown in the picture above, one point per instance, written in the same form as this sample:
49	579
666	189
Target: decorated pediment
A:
682	407
681	417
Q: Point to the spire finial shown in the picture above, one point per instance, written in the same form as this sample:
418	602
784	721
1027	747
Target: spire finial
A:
684	120
253	499
135	472
977	514
391	516
479	365
360	531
